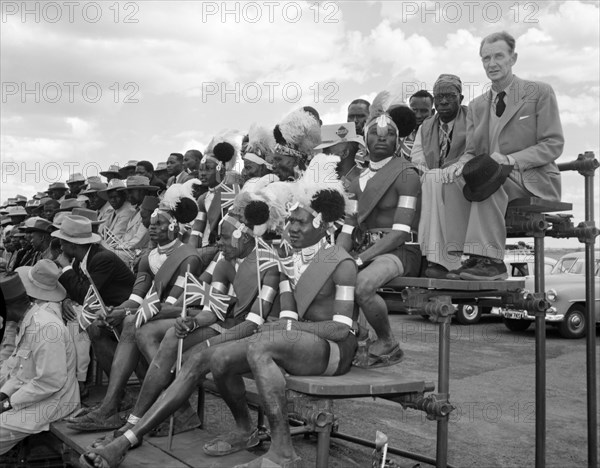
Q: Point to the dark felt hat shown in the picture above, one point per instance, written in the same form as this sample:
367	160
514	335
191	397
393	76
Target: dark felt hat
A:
483	176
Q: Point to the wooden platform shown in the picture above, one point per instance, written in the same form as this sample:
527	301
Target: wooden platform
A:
456	285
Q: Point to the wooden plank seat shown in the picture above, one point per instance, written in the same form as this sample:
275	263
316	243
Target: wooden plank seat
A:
538	205
310	399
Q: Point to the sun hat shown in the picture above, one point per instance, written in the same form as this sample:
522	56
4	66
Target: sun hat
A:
41	281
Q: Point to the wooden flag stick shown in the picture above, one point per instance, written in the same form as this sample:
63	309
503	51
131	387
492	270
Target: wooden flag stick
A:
179	352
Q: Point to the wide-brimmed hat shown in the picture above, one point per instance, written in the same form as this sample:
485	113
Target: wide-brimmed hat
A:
32	204
93	186
113	170
161	166
114	184
77	230
69	203
138	182
58	186
40	195
20	199
339	133
86	213
41	281
130	163
75	178
37	224
483	176
12	287
16	211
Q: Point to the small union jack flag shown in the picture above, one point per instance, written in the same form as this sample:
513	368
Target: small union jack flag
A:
217	303
267	257
196	290
148	308
228	194
91	306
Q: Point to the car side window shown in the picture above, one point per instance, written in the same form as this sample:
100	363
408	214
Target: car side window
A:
564	265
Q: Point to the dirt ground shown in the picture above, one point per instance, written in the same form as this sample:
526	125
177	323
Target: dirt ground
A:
492	385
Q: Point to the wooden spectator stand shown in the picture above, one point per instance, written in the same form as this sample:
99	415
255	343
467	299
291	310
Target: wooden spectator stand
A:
311	398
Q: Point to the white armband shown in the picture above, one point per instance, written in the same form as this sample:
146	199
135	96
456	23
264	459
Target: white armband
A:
201	216
180	281
352	206
196	233
407	202
344	293
401	228
342	319
136	298
347	229
285	287
267	293
255	318
218	286
171	300
290	314
211	267
67	268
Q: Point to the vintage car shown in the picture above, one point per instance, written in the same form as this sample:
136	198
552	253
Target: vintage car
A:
519	263
565	290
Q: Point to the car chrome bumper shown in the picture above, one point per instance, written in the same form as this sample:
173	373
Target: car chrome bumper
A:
551	315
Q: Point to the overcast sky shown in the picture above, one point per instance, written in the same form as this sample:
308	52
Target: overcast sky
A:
88	84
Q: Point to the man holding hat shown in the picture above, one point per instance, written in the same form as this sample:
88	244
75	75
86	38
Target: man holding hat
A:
342	140
385	244
110	275
37	383
440	141
514	137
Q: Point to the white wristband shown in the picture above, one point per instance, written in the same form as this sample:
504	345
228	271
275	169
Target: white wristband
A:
290	314
255	318
343	319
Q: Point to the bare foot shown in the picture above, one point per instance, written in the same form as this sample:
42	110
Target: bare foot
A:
110	456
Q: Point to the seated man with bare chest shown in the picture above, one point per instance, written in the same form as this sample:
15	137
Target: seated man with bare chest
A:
382	234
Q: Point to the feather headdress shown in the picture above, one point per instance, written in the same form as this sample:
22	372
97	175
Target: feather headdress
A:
261	144
383	113
178	203
297	135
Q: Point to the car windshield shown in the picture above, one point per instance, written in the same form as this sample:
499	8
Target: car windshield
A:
575	266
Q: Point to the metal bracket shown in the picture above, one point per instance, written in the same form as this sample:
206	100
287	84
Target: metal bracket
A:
315	413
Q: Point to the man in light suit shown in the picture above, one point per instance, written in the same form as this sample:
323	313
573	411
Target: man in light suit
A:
517	124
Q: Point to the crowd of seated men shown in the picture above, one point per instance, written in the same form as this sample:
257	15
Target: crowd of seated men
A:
278	232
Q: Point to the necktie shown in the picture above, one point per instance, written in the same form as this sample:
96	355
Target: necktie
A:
444	143
500	104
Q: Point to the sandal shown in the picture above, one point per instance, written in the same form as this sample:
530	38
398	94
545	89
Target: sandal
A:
92	422
227	444
107	460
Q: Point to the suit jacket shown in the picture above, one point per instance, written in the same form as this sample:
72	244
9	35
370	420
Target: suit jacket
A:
111	276
529	130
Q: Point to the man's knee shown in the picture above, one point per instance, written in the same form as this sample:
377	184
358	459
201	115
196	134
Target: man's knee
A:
366	287
221	363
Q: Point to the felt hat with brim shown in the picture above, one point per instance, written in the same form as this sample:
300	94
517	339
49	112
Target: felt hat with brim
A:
11	202
32	204
160	167
114	184
38	224
112	171
4	220
41	281
93	186
339	133
21	199
75	178
86	213
69	203
130	163
77	230
57	186
12	287
16	211
40	195
59	217
138	182
483	176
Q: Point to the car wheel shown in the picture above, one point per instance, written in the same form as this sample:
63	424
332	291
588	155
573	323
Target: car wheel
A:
468	314
516	325
573	325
